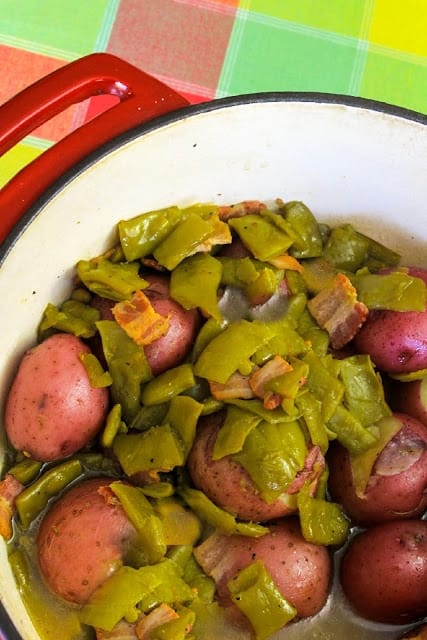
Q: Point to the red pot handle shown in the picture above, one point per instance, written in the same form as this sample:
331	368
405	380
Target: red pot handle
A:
142	98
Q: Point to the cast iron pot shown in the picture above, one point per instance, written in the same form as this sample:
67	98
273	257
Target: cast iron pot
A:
347	159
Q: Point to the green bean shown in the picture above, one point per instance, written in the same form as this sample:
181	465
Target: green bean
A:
168	385
254	592
31	502
110	280
26	470
195	282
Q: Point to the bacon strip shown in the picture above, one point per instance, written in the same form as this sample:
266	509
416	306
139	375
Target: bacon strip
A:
237	386
160	615
220	235
286	261
122	631
10	487
337	310
241	209
314	465
139	319
275	367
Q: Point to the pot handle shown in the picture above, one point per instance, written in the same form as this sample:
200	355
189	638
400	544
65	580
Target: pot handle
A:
142	98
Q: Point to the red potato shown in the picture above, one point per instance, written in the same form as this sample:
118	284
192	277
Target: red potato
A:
300	569
82	540
410	398
171	349
397	488
52	411
225	481
235	250
384	572
396	341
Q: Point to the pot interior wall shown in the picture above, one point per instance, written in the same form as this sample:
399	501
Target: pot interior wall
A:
344	162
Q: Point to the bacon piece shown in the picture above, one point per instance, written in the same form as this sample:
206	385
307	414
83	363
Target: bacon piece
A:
275	367
272	400
10	487
286	261
241	209
336	309
221	234
314	465
122	631
108	495
152	263
160	615
143	478
139	319
237	386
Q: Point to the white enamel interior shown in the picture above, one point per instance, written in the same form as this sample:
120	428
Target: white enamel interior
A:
344	162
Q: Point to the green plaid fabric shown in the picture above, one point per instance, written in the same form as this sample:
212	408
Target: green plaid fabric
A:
206	49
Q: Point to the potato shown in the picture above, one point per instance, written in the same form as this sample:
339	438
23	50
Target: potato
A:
384	572
225	481
52	411
396	341
397	487
300	569
82	540
171	349
410	398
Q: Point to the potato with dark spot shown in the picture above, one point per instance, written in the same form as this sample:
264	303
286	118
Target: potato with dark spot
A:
52	410
82	540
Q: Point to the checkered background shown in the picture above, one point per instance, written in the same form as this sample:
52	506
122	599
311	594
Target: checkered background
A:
212	48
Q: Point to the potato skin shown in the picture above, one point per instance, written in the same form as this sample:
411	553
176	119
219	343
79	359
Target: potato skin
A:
81	541
410	398
384	572
171	349
388	496
225	481
396	341
300	569
52	411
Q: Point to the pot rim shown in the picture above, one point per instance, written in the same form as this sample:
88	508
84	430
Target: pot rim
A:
7	628
366	104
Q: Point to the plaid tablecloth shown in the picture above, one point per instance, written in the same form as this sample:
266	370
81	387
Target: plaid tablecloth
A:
212	48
